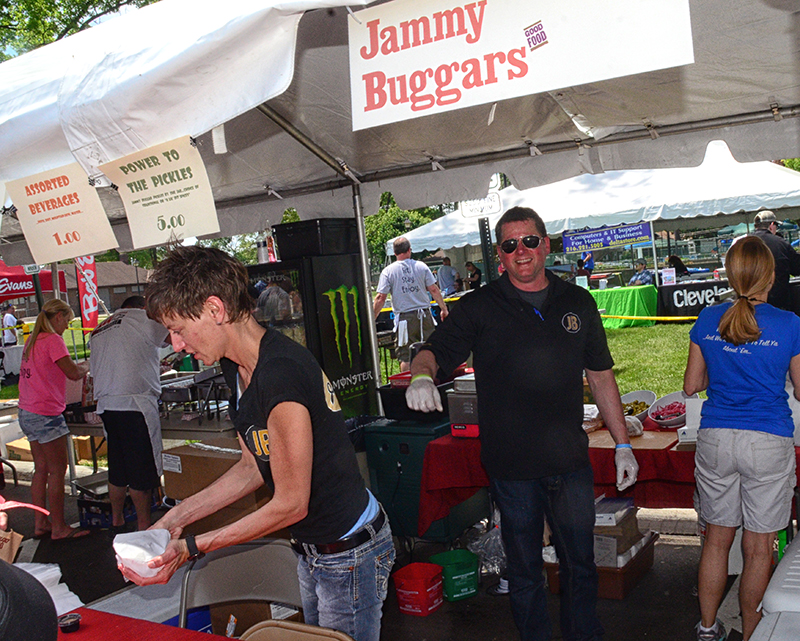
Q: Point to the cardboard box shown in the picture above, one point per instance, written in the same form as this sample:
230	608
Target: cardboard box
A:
19	450
614	583
83	447
612	541
190	468
248	613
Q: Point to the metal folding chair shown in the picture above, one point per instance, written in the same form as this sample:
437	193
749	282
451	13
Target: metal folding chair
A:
290	631
260	570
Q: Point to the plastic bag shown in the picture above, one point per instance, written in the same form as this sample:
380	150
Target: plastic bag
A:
634	426
490	550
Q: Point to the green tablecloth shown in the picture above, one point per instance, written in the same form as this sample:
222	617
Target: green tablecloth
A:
627	301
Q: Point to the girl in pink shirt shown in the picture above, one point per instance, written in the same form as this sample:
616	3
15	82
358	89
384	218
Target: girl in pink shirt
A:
46	365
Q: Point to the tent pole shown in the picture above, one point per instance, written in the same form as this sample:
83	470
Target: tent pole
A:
56	284
365	283
655	255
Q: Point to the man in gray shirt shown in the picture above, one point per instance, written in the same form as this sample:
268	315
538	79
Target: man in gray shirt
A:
409	282
125	368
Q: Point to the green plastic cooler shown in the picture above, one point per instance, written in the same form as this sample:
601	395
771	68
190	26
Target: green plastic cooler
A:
395	451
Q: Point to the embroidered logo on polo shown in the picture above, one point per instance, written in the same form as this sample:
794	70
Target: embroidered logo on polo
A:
571	323
258	442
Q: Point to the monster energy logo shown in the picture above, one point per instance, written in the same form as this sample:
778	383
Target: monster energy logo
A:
344	295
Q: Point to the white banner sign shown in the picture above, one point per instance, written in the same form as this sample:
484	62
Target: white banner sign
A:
61	215
166	193
411	59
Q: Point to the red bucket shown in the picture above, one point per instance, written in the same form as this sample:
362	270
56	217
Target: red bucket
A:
419	588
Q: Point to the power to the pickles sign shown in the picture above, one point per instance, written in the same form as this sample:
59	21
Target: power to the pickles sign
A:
411	58
166	193
61	214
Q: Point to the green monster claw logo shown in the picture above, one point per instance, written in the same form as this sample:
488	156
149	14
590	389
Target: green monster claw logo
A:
342	294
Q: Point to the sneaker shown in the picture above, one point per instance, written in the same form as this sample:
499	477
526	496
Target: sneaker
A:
712	635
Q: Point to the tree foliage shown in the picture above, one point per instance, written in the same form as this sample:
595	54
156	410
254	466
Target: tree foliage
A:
389	222
792	163
28	24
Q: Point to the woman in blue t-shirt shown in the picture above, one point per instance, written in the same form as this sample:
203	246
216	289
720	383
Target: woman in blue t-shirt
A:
745	465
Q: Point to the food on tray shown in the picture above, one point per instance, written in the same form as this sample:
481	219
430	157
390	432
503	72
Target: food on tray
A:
634	407
673	410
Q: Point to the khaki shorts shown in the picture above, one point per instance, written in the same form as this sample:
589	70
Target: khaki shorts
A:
403	353
745	477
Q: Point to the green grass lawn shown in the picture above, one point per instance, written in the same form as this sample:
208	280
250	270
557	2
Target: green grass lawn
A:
650	358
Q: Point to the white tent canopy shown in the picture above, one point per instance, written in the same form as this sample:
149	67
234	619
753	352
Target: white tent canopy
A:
707	195
183	66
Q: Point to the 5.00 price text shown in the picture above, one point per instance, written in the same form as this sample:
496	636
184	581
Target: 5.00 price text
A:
171	223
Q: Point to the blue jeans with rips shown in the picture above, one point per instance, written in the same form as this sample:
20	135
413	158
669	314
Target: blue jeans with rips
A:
567	501
346	591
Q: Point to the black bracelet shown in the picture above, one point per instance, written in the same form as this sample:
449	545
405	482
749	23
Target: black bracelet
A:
194	553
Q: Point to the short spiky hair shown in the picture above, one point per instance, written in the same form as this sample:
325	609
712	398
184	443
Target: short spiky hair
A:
519	215
183	281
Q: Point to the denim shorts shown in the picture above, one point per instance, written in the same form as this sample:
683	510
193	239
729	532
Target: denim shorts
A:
42	428
745	477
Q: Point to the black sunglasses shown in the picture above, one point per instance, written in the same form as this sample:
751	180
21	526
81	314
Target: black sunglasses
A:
510	246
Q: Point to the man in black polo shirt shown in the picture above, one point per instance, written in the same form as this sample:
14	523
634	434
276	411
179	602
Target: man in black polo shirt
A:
787	260
532	336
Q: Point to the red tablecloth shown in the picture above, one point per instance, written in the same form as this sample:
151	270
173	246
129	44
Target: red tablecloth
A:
452	472
101	626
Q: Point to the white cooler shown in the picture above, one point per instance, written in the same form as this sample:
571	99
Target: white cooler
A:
783	591
778	626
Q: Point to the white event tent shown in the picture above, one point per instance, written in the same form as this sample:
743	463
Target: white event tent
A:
719	192
276	75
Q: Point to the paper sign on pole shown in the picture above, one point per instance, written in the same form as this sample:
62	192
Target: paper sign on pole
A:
411	59
166	193
61	214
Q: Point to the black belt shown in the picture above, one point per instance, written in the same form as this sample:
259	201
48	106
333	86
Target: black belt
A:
342	545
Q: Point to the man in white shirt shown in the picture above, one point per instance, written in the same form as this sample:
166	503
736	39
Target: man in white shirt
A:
409	282
9	326
127	385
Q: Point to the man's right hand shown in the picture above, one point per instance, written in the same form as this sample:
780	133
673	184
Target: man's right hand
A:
422	395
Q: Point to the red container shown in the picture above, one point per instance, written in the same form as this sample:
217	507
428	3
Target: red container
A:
419	588
464	430
403	379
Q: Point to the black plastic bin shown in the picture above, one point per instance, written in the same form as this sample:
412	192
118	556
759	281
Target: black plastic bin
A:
319	237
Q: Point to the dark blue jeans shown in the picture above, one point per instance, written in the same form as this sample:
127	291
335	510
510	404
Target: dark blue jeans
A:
568	503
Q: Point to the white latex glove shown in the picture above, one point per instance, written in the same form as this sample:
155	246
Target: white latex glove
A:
627	467
422	395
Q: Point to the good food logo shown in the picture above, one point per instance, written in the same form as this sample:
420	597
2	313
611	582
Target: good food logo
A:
535	35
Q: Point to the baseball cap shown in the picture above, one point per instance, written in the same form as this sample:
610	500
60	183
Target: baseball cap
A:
765	217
